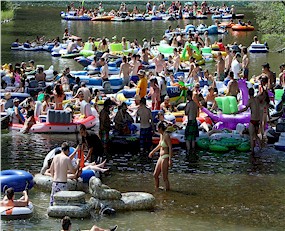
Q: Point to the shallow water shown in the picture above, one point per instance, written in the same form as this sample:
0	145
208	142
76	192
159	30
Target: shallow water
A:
218	192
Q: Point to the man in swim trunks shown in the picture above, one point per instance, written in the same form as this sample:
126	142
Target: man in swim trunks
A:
254	105
8	200
60	167
191	131
232	88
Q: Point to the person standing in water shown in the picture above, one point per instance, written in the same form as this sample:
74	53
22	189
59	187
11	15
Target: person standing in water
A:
191	131
165	154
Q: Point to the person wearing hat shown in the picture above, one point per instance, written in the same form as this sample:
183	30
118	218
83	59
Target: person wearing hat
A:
142	84
282	75
17	116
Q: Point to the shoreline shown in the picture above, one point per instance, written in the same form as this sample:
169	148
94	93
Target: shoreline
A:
7	16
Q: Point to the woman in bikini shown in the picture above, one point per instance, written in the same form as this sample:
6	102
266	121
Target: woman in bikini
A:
165	155
58	97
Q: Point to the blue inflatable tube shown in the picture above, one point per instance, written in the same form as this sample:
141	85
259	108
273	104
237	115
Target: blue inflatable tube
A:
17	179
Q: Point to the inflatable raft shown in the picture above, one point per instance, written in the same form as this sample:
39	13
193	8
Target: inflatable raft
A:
12	213
238	27
17	179
60	121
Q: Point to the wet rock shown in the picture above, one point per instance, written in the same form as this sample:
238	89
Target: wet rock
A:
101	192
45	182
72	211
69	197
129	201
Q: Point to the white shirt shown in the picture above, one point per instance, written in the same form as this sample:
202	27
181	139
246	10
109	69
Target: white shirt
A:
235	68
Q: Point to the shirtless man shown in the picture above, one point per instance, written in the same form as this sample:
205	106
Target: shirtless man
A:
191	131
8	200
125	69
220	67
135	64
60	167
254	105
86	92
105	70
245	63
228	60
71	46
233	88
146	125
176	61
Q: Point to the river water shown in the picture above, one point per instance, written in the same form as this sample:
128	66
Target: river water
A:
218	192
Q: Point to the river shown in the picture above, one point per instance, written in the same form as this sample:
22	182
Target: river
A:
219	192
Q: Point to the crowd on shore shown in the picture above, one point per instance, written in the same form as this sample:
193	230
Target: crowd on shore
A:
176	7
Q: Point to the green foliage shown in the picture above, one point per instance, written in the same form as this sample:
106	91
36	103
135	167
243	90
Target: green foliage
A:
270	17
7	15
6	6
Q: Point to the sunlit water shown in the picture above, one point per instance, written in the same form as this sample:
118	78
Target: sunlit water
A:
218	192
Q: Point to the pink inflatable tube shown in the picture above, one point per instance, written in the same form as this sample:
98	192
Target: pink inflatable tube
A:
227	121
244	91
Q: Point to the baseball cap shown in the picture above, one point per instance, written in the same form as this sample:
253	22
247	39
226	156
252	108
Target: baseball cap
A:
16	100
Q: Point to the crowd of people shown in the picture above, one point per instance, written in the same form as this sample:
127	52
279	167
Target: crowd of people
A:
175	7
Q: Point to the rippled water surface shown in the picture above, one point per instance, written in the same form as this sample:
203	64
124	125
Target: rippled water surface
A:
218	192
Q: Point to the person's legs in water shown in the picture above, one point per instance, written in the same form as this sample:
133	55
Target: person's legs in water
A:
164	170
156	173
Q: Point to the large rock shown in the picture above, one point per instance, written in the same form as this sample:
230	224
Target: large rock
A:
69	198
44	183
129	201
69	210
101	191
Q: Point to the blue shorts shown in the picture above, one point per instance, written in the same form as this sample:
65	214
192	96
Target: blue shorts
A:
134	78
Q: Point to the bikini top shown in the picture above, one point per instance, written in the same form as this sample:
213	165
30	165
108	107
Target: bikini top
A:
163	144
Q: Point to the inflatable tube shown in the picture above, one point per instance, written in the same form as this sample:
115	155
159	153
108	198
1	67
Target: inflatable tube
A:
12	213
228	104
228	121
203	143
215	53
238	27
218	148
206	50
243	147
17	179
86	53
